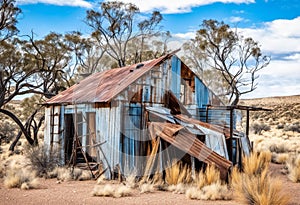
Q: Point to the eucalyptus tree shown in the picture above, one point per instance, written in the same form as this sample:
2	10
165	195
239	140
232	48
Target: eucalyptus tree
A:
237	58
117	24
8	19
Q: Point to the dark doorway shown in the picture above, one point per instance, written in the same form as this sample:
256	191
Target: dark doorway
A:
69	135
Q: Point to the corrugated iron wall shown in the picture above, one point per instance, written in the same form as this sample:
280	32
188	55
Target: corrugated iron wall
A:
121	123
108	130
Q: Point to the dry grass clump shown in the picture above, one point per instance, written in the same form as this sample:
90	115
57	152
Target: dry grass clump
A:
210	176
208	186
131	181
68	174
280	158
178	174
156	182
255	185
293	167
256	163
109	190
19	176
146	188
214	191
61	173
24	179
177	188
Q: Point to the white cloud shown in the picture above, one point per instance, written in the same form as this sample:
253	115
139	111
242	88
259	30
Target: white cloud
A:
177	6
78	3
279	78
186	36
278	36
236	19
295	56
280	39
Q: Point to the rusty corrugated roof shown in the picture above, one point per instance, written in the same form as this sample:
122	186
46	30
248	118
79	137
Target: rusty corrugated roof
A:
104	86
181	138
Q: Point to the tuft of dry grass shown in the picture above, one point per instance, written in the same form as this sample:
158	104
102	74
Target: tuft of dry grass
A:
256	163
293	166
109	190
214	191
255	186
68	174
101	179
208	186
131	181
209	176
178	173
177	188
146	188
85	175
280	158
20	177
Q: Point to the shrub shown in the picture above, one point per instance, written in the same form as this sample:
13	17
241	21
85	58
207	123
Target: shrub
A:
295	127
41	160
258	128
280	126
7	131
279	147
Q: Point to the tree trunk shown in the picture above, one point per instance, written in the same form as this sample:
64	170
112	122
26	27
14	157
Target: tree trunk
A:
236	99
19	123
14	143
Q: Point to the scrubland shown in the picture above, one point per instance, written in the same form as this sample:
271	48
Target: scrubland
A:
270	175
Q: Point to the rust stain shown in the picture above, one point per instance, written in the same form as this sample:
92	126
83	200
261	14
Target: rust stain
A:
104	86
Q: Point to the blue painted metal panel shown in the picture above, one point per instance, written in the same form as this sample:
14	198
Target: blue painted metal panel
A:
176	76
202	96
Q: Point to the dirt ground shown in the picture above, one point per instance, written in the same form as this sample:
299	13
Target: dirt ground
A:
80	192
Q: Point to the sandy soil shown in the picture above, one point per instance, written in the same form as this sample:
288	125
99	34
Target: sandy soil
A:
79	192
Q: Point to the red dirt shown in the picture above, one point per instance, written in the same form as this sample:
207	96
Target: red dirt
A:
79	192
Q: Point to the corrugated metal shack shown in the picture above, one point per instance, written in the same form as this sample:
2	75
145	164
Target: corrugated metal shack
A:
140	118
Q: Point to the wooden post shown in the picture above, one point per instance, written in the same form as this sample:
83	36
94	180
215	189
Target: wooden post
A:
229	146
247	124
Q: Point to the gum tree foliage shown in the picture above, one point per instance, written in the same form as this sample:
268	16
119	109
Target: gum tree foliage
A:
42	67
116	25
236	58
28	66
8	19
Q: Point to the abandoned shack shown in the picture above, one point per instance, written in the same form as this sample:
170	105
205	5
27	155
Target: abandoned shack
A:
140	118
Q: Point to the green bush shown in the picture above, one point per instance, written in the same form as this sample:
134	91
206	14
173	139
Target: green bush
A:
258	128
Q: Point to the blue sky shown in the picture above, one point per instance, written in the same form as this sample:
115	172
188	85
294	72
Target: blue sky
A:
275	24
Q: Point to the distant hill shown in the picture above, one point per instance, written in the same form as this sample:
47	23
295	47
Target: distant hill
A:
287	107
